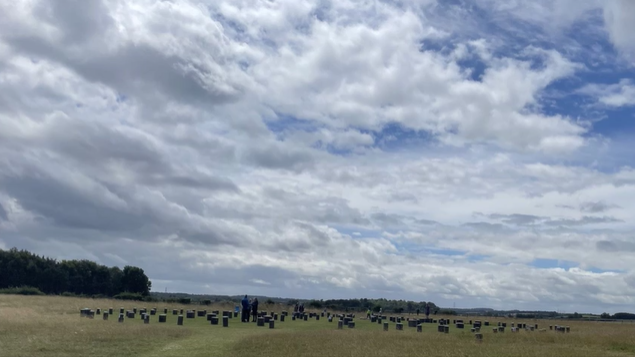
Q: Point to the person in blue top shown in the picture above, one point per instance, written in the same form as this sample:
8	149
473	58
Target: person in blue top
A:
246	308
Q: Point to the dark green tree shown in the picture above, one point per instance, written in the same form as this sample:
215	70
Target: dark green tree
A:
624	316
116	277
134	280
19	268
315	304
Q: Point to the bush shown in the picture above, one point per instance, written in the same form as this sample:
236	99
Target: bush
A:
206	302
447	312
184	301
526	316
315	304
129	296
24	290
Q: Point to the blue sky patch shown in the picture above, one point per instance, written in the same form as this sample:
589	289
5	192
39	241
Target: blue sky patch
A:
285	123
553	263
395	136
472	258
619	122
473	65
448	252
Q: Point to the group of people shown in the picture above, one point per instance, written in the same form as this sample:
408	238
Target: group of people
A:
298	310
369	312
250	307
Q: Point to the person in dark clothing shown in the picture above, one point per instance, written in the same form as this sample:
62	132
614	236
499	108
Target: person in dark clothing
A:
254	309
245	313
417	312
427	310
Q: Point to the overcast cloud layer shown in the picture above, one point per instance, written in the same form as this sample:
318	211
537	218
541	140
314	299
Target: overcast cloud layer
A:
468	152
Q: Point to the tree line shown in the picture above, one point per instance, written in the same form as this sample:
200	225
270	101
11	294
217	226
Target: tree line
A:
20	268
618	316
351	305
396	306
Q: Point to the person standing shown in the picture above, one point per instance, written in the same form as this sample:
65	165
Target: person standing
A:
254	310
427	310
245	313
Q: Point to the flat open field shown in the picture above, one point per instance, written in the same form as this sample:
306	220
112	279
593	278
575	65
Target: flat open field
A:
52	326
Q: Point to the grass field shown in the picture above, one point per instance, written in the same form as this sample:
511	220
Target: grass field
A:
52	326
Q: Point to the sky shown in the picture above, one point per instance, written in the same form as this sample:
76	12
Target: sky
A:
470	153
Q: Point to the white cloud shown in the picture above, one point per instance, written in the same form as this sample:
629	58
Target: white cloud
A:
366	77
618	16
614	95
196	141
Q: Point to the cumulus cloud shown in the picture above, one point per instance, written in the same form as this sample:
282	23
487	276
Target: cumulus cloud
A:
617	16
312	149
612	95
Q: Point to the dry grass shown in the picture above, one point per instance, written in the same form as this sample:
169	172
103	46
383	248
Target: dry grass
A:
51	326
586	339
